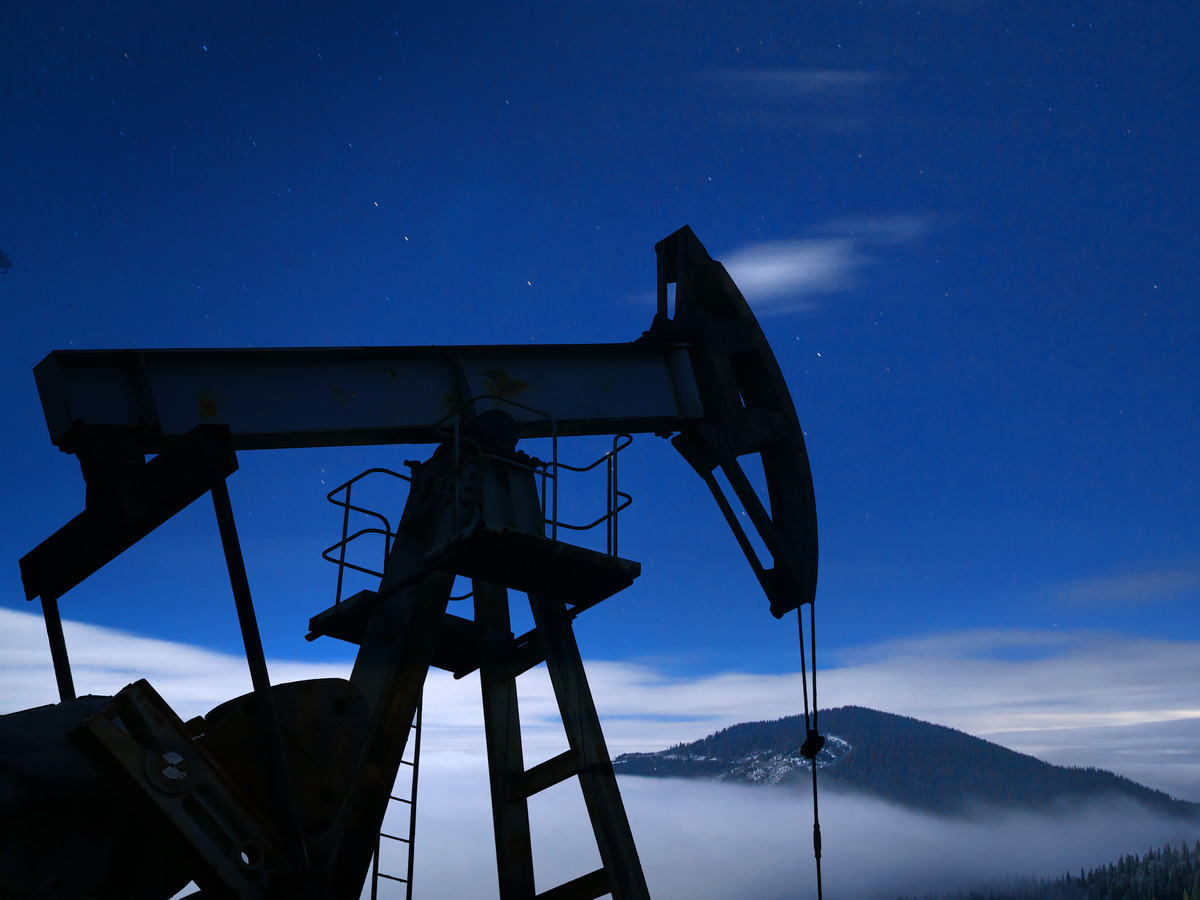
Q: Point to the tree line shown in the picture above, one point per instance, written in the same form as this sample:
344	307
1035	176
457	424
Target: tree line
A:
1163	874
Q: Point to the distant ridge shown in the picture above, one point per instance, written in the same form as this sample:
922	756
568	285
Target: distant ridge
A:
899	759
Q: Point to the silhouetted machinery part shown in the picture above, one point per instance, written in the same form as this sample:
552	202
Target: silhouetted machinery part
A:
282	793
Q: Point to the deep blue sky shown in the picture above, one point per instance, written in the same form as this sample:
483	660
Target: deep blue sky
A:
968	228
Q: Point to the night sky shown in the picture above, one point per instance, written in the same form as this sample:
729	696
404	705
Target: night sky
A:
968	229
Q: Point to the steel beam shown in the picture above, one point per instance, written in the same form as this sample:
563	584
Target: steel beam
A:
58	649
289	825
124	510
314	397
502	729
610	825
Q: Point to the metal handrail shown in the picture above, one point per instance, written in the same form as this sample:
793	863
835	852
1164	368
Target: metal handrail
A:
341	561
616	499
620	442
347	506
604	518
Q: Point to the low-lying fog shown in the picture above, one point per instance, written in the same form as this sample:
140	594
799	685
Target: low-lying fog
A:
701	840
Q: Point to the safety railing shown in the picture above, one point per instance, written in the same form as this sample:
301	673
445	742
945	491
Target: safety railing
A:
347	539
615	499
547	473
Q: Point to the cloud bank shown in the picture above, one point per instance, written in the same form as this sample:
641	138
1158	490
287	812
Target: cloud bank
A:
1113	702
1120	703
713	841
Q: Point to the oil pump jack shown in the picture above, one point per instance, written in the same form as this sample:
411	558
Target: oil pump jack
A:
282	793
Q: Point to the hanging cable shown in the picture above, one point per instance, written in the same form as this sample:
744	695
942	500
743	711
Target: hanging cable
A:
813	741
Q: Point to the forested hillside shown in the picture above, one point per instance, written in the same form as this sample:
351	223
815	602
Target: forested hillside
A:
1166	874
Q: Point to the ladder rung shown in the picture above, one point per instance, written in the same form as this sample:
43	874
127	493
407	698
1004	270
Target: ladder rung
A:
392	837
528	653
406	762
392	877
400	799
549	773
585	887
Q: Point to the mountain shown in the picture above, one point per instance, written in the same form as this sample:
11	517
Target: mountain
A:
897	758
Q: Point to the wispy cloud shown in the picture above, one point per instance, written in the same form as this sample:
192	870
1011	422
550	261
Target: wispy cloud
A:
787	276
1043	691
1136	587
986	682
782	275
788	83
837	101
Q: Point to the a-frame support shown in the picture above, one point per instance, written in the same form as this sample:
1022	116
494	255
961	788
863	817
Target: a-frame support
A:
474	512
502	730
614	838
398	648
586	757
